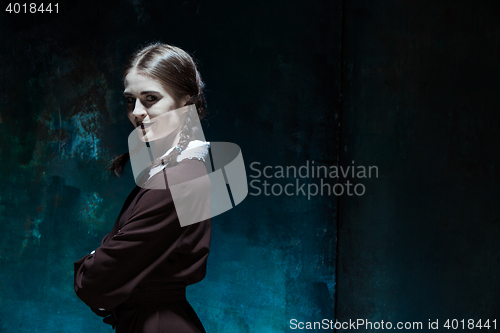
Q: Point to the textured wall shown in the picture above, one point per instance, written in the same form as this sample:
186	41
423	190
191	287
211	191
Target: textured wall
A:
272	72
420	82
421	86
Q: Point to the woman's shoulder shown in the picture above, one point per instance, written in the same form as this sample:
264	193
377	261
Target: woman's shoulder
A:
186	170
185	186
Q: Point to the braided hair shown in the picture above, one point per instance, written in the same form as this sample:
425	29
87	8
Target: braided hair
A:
175	69
186	136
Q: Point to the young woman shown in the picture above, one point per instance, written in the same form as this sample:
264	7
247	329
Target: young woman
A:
137	278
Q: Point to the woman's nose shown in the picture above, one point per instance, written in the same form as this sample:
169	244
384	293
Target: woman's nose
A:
139	110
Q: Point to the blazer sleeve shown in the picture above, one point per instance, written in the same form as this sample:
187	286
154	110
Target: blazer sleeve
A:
106	278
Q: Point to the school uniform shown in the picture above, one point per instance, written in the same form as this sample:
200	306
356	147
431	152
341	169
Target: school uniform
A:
137	277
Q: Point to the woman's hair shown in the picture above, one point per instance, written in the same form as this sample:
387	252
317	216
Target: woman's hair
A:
176	70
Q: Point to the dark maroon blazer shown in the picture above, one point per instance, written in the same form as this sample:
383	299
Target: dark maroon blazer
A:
149	257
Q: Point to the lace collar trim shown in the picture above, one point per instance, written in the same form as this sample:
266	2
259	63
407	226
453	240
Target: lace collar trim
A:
195	149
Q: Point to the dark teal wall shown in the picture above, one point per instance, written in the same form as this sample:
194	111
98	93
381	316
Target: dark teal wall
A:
420	100
272	73
421	86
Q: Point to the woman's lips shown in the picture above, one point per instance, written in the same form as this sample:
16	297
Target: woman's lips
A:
144	125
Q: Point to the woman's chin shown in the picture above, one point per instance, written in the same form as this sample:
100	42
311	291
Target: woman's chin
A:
145	135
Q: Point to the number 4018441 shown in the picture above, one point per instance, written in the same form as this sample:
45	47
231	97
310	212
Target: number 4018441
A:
31	8
470	324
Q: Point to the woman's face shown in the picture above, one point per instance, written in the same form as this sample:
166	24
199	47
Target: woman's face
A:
147	99
150	106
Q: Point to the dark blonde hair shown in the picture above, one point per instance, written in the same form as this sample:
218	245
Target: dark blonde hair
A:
176	70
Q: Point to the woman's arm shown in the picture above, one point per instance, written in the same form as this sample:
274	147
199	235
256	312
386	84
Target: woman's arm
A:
106	278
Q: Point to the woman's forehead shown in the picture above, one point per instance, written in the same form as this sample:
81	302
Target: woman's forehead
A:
136	82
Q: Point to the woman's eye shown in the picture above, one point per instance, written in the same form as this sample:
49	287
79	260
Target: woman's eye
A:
151	98
130	100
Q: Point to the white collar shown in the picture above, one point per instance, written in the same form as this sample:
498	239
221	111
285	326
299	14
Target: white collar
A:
195	149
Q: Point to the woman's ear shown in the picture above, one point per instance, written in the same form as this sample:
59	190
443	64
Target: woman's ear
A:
186	99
